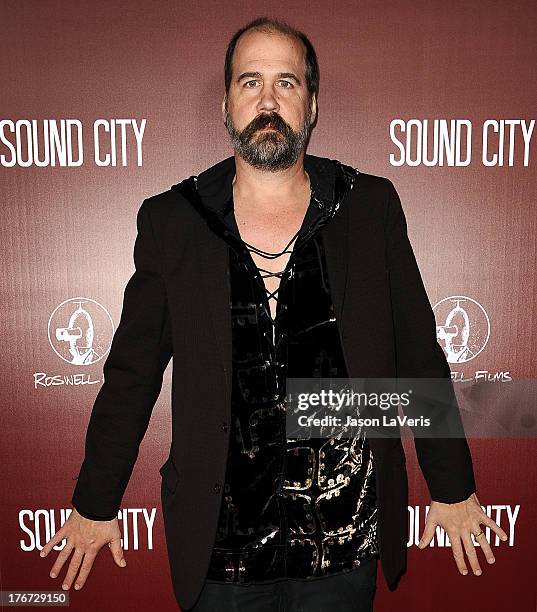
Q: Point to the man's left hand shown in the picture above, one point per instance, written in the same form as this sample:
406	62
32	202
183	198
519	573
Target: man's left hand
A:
460	521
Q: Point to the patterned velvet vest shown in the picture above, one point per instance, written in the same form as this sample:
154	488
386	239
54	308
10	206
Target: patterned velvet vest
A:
290	508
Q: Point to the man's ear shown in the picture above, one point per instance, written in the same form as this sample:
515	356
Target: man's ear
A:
313	108
224	108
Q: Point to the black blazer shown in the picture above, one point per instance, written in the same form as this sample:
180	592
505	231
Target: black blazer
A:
177	303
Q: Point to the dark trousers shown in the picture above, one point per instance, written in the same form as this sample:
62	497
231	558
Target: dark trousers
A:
351	591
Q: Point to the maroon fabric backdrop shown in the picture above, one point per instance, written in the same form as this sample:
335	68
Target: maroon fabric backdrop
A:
68	233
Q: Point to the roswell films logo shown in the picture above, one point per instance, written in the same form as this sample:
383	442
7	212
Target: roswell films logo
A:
80	332
463	331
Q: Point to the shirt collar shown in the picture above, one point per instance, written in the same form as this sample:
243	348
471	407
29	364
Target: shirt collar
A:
215	185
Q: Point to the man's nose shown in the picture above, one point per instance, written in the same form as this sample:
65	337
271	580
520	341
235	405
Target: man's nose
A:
267	101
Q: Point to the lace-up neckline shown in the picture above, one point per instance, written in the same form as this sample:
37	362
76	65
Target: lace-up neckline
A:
272	295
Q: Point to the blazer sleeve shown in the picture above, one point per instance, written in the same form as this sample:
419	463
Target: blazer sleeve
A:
446	463
140	351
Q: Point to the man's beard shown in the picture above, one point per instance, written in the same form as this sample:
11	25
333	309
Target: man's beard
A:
270	150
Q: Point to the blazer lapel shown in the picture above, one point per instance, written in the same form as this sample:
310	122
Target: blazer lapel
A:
214	269
215	281
336	243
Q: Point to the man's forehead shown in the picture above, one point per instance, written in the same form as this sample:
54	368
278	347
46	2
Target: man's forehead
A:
273	52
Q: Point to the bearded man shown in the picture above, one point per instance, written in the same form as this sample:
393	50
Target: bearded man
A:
272	264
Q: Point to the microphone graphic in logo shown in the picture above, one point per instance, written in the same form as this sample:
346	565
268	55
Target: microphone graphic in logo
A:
80	331
465	327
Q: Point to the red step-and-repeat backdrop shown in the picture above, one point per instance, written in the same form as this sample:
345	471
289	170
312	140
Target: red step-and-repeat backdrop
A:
106	103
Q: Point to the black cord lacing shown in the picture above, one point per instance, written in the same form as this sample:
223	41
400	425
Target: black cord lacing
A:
269	255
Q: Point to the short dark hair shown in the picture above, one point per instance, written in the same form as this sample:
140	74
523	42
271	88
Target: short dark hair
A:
270	26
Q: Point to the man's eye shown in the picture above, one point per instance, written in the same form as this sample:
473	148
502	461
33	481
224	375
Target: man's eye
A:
288	84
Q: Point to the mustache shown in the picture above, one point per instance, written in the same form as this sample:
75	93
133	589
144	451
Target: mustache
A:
265	119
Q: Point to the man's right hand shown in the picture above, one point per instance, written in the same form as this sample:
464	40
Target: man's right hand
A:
86	538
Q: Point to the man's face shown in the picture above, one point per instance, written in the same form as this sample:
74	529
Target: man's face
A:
269	111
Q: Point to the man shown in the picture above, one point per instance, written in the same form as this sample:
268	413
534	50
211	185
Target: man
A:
269	265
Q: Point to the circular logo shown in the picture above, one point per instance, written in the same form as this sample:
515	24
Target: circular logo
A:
462	327
80	331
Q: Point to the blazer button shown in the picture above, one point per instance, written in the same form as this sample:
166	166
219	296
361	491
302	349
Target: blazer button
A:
225	426
217	487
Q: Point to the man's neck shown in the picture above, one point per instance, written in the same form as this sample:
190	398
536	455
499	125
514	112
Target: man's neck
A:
270	191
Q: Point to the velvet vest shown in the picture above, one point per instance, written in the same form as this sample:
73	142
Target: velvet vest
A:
291	508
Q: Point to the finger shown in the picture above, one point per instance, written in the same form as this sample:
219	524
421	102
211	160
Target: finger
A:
87	564
72	570
428	534
458	554
117	552
61	559
471	553
55	539
496	528
485	547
